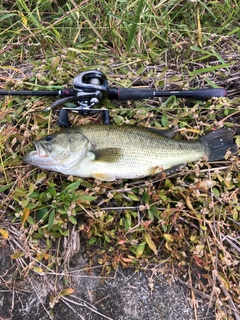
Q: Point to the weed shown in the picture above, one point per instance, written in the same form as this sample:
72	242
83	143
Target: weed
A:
189	219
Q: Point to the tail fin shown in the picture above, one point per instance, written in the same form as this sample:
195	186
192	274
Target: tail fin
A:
218	142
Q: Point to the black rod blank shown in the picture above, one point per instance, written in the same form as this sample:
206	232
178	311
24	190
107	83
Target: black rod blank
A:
30	93
139	94
131	93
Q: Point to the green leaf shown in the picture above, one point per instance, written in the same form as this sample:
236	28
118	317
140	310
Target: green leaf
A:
212	52
51	219
92	240
150	243
216	192
20	192
118	120
54	63
87	197
168	237
66	292
64	233
235	214
72	220
150	215
31	221
128	221
37	269
7	16
146	197
25	202
154	210
40	178
107	238
34	194
133	197
25	215
164	120
4	233
18	255
6	187
140	249
132	32
52	191
41	213
237	139
209	69
73	186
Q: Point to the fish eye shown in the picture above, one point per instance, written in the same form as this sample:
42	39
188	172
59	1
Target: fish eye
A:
49	138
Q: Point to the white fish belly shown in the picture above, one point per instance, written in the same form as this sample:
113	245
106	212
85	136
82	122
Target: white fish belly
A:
133	164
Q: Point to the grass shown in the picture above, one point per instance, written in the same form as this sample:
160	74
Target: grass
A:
188	219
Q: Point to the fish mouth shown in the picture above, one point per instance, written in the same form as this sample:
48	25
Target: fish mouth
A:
30	157
40	150
40	158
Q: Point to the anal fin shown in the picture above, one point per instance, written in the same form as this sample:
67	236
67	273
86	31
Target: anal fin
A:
104	176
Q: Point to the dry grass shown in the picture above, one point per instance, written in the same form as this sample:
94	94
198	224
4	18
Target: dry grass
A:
192	218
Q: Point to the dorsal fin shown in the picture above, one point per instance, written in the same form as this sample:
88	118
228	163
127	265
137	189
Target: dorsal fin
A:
167	133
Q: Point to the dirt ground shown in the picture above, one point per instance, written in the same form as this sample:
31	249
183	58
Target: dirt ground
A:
126	294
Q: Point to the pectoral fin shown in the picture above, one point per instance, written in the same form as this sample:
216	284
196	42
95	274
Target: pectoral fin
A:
107	154
104	176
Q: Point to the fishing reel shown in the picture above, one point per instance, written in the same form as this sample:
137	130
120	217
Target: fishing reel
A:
89	88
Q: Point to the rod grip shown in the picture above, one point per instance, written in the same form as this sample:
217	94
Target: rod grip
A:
129	94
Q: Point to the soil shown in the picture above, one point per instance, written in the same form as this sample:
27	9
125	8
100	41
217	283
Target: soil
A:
126	294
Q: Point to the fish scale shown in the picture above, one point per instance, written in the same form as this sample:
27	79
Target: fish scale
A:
109	152
144	146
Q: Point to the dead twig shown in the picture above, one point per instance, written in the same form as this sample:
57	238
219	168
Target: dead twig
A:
92	308
228	297
194	304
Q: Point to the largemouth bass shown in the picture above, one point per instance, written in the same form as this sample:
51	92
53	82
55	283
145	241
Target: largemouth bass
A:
109	152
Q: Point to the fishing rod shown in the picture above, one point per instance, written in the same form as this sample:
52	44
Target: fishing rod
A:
90	87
